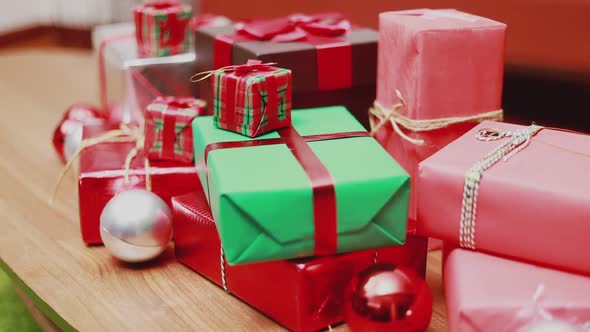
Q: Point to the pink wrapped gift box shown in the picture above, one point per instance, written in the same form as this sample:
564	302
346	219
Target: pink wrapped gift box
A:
445	63
533	206
515	294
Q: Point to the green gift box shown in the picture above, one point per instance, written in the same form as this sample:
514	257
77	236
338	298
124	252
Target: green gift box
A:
264	203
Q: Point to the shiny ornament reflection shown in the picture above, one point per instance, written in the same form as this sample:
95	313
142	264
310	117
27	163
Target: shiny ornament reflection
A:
549	326
67	137
136	225
388	298
72	141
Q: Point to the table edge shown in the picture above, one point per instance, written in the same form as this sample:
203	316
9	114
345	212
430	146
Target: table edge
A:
51	314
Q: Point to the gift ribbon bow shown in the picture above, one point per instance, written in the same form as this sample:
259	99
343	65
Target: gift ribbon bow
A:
333	55
397	120
239	70
295	27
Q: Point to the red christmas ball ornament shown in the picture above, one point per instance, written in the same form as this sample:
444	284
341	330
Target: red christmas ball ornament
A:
386	297
68	134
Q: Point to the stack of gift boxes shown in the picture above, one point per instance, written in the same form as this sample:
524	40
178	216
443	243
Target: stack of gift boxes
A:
267	200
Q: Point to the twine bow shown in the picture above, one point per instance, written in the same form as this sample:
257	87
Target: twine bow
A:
239	70
124	134
397	120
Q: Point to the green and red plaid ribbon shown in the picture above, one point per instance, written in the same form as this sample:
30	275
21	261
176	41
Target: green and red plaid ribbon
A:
162	28
168	134
252	99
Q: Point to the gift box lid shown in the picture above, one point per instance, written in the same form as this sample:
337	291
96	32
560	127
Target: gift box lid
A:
426	19
299	56
262	198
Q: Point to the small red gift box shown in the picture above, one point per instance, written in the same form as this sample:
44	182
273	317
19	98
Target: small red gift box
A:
252	99
301	294
102	171
168	131
162	27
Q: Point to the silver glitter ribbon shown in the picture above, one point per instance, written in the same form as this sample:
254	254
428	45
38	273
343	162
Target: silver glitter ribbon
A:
518	141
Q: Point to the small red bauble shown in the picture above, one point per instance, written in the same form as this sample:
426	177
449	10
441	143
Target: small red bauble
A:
68	133
386	297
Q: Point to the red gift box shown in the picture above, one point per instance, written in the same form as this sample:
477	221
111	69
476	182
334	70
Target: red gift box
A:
102	176
168	131
252	99
162	27
301	294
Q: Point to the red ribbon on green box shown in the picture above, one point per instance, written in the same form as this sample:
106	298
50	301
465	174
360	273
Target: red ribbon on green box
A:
325	216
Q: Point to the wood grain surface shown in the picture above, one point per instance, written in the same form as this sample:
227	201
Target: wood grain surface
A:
41	244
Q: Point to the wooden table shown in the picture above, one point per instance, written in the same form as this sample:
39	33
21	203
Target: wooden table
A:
40	245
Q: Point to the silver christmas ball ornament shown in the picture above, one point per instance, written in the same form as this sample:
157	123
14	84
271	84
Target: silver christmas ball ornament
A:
136	225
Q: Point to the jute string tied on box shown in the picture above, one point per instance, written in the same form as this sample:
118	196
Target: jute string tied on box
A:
124	134
397	120
240	70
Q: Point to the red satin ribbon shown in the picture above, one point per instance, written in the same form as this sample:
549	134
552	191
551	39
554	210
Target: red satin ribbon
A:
334	55
168	134
271	111
252	65
325	216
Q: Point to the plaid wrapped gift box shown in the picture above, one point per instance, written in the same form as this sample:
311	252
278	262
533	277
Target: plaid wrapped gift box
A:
252	99
168	134
162	28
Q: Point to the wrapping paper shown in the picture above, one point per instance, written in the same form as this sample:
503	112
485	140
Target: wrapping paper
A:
515	294
303	294
168	131
350	196
252	100
162	27
534	206
102	173
445	63
347	59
